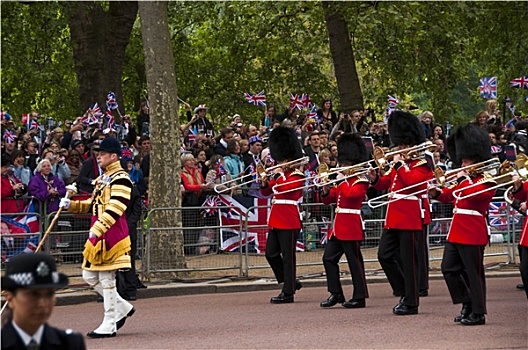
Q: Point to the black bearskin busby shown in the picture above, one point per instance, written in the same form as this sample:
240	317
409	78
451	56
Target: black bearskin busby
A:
284	145
469	142
405	129
351	149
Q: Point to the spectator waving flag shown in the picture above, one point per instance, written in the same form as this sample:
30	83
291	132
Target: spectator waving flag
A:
521	83
111	102
256	100
295	101
9	136
313	114
488	87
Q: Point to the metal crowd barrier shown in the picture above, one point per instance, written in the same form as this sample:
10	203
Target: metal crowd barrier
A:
243	230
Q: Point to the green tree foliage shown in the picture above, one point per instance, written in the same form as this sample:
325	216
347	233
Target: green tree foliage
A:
37	61
430	54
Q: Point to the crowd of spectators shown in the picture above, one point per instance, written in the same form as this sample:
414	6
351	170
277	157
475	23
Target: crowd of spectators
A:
41	161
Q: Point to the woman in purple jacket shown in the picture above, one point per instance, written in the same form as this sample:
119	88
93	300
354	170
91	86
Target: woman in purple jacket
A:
46	187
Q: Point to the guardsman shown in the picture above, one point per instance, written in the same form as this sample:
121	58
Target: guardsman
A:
463	260
348	231
284	219
405	211
108	245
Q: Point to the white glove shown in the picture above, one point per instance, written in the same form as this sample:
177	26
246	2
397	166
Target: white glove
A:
64	203
92	235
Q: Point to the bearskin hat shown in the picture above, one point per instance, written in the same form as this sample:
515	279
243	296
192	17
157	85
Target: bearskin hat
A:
351	149
405	129
284	145
469	142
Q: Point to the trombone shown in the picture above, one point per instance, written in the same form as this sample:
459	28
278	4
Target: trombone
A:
440	178
504	178
323	171
262	174
413	152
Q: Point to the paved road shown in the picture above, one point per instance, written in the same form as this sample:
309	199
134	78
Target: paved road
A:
248	321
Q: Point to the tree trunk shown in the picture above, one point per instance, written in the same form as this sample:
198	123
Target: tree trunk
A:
164	181
350	94
99	40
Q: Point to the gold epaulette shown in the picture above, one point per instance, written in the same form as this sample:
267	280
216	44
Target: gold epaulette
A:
486	177
420	162
120	175
297	172
361	179
453	185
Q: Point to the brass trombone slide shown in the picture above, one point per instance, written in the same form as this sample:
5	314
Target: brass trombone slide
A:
262	174
380	157
506	172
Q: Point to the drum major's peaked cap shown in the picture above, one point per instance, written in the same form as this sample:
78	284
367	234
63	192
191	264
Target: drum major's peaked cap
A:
351	149
284	145
469	142
405	129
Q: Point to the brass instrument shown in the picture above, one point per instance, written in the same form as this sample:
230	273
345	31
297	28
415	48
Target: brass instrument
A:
414	152
504	178
262	173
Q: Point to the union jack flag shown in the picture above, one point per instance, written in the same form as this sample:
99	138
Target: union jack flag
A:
488	87
5	116
295	101
501	215
111	102
25	225
110	121
9	136
92	115
191	136
306	100
256	100
313	113
521	83
220	170
210	206
126	153
325	229
393	101
33	124
236	212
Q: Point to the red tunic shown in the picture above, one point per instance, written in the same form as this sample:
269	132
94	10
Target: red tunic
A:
284	214
469	225
522	195
349	195
407	213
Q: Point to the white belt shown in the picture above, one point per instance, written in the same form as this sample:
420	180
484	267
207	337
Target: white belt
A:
403	196
284	201
348	211
466	212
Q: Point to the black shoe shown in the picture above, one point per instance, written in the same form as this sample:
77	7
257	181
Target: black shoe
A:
402	309
473	320
131	298
101	335
354	304
122	321
423	292
465	312
282	298
333	299
298	285
520	286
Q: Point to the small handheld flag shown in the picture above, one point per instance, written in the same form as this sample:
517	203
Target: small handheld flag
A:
488	87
